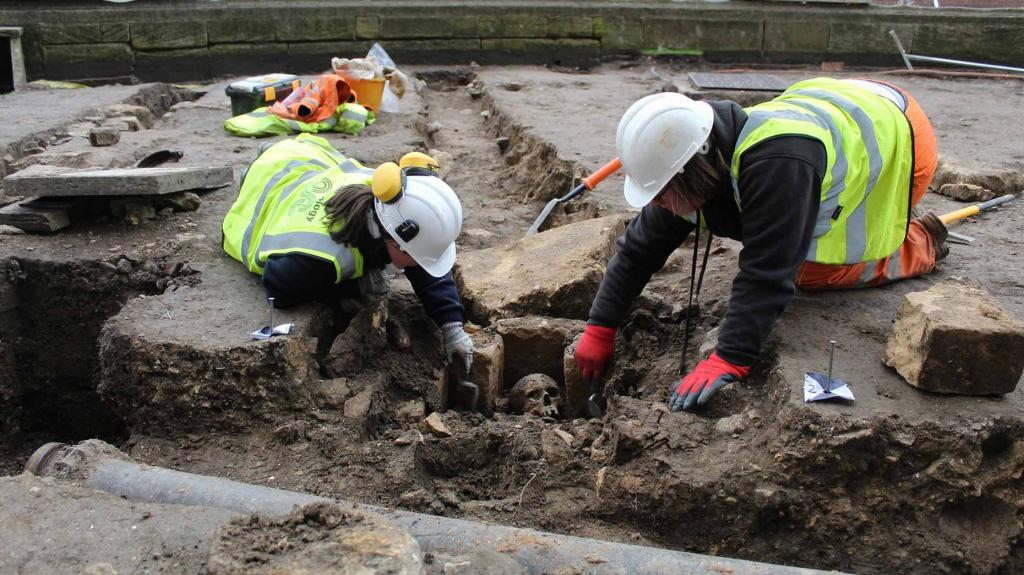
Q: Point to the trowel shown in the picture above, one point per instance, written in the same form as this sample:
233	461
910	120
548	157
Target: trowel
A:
457	381
588	183
594	408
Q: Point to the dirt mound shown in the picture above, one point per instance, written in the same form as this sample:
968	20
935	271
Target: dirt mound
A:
320	538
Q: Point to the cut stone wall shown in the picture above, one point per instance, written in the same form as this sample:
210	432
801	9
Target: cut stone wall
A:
182	40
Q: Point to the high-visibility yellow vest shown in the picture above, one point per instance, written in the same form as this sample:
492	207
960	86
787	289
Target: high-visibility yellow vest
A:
349	118
865	193
280	206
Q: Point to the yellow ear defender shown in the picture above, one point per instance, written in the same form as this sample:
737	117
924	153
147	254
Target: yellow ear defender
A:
419	164
388	182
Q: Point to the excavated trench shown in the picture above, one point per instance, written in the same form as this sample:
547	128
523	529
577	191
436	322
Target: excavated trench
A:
51	314
757	476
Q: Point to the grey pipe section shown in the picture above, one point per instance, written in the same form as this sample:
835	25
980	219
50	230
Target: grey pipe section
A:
101	467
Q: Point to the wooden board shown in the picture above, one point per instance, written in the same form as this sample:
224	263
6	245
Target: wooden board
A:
121	182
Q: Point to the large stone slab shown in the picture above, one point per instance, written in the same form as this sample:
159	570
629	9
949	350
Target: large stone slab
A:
125	182
553	273
954	338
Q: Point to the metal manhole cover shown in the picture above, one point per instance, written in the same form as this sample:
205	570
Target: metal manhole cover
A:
705	80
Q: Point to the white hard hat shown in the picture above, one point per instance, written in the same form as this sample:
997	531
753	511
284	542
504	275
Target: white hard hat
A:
657	135
424	221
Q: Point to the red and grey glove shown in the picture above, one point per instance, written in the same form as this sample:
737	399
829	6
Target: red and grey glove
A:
700	384
595	351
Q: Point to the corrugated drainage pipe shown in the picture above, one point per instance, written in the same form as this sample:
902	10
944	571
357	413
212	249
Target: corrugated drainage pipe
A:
103	467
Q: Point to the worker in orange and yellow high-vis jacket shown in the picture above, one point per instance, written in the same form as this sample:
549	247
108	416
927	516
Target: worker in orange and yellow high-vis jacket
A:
818	185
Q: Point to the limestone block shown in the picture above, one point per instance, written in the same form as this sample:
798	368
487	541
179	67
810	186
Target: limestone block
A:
465	27
536	345
143	115
704	33
999	179
954	338
795	36
488	368
182	64
513	26
619	35
104	136
164	35
858	37
367	27
124	123
966	192
119	182
87	60
310	26
246	30
83	33
553	273
403	27
571	27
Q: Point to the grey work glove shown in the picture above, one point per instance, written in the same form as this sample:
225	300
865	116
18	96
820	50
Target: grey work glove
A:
457	343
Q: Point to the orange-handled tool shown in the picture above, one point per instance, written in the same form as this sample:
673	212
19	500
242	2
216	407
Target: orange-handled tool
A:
974	209
588	183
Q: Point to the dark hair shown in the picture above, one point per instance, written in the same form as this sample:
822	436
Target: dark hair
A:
346	214
701	177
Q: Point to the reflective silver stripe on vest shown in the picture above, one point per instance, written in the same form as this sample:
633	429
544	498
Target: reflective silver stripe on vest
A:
894	270
313	241
868	273
271	183
349	166
261	114
354	116
856	225
827	206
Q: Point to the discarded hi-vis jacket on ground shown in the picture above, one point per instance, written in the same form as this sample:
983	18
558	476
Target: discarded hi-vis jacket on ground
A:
280	206
349	118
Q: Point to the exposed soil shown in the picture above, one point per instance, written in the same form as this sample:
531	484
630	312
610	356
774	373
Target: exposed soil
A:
900	481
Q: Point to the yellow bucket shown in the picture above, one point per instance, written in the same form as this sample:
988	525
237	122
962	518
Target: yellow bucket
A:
369	93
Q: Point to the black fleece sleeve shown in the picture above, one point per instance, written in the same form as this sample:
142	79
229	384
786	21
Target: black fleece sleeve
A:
649	239
779	187
440	296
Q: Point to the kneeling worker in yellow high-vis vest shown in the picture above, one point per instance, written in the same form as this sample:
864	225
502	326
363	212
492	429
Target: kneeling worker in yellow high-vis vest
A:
315	225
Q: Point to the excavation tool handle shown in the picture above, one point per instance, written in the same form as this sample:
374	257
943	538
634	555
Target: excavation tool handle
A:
457	377
588	183
592	180
974	209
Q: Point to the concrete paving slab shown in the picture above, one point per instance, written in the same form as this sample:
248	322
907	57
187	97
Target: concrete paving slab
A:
130	182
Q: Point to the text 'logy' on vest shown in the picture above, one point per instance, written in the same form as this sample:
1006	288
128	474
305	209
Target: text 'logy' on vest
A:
865	192
280	205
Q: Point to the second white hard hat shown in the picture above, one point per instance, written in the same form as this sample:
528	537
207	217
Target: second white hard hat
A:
657	135
424	222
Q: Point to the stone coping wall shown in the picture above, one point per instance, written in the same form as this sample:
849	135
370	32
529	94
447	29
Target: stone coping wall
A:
168	40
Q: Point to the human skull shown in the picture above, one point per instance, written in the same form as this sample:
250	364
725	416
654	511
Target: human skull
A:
535	394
